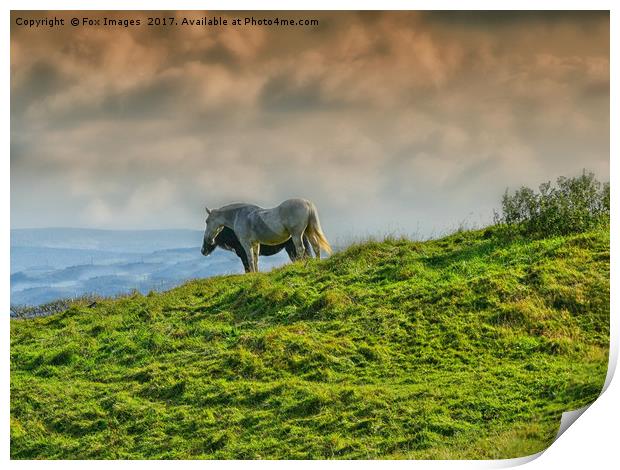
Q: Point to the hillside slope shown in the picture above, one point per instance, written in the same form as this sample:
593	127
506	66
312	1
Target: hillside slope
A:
466	347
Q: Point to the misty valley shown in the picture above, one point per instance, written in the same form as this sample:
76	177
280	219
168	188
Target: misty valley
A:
52	264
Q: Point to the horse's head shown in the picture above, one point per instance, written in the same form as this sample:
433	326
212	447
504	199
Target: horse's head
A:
207	248
214	227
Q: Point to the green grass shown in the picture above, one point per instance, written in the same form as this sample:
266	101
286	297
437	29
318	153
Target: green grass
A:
466	347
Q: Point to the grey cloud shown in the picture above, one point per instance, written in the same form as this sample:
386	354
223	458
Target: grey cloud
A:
42	80
280	93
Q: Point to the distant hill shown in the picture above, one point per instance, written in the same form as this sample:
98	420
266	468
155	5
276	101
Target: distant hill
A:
467	347
46	258
50	264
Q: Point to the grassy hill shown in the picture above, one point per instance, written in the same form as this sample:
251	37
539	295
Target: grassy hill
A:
466	347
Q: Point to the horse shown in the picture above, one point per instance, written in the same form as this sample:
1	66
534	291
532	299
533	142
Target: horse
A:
255	226
227	240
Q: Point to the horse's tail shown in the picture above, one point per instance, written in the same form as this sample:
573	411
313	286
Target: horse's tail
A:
315	232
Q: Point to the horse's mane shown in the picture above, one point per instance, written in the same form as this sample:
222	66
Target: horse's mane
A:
236	206
227	239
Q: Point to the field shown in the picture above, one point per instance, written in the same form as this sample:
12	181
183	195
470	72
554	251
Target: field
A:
470	346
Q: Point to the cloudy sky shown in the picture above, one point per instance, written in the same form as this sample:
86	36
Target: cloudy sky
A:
389	122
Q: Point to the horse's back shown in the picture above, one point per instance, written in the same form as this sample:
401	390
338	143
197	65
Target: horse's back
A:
295	204
241	207
296	201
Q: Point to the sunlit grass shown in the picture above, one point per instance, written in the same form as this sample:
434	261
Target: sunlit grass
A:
470	346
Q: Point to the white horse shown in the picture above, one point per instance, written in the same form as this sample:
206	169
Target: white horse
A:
254	226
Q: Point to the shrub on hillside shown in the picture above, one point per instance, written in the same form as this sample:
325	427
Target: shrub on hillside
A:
572	205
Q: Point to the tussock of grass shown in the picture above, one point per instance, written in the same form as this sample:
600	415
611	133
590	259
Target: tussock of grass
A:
466	347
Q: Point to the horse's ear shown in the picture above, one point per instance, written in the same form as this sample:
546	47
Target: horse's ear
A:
208	210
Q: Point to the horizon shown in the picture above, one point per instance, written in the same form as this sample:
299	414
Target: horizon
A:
108	229
434	232
339	241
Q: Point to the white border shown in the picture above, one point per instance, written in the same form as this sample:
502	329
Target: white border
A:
592	441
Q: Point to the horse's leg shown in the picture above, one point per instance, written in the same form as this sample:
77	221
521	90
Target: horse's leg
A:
307	251
244	259
316	247
299	245
249	251
293	254
290	250
256	249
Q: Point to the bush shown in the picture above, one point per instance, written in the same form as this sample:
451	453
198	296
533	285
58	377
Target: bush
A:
573	205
